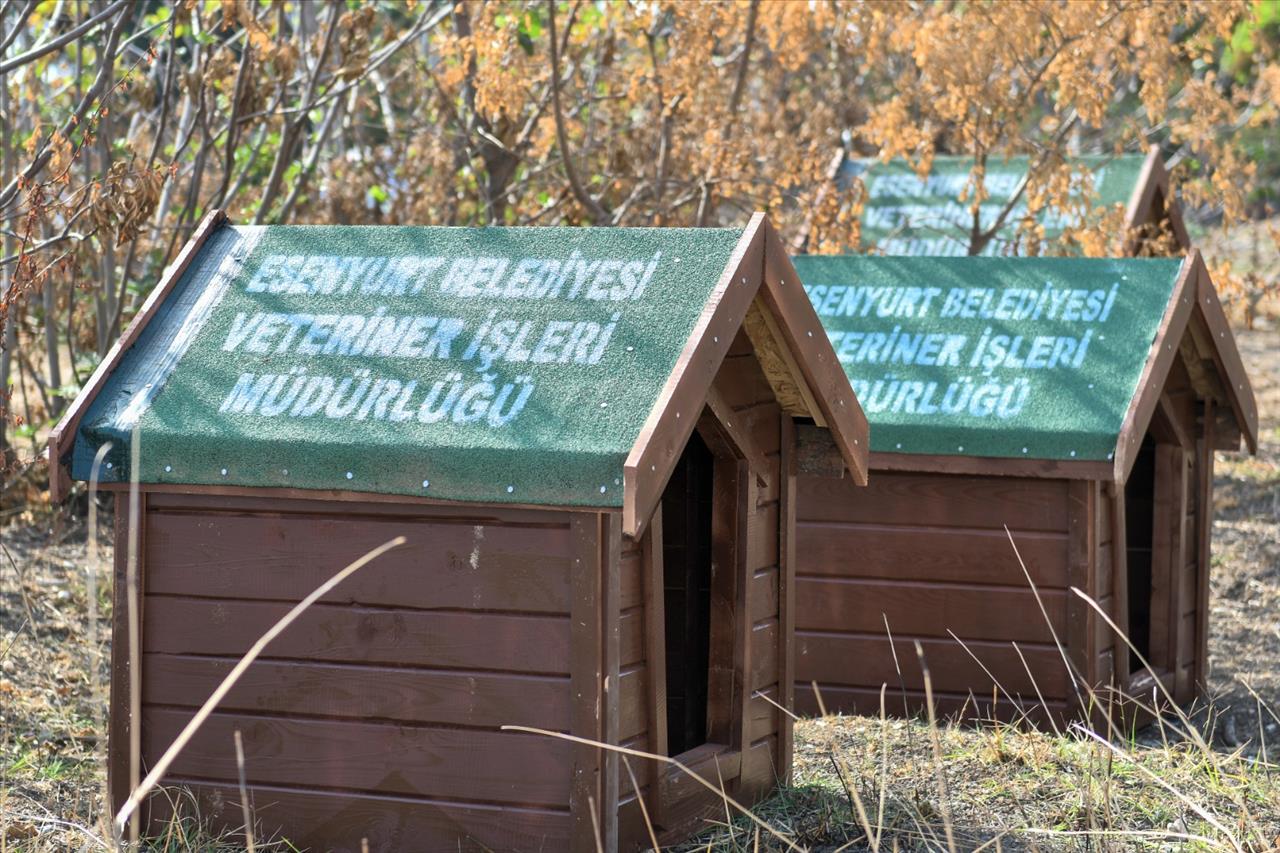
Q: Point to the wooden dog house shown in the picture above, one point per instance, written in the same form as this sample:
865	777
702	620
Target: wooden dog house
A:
588	437
907	215
1077	402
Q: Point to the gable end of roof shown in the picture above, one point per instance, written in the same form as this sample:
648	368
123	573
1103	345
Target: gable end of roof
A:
63	435
759	274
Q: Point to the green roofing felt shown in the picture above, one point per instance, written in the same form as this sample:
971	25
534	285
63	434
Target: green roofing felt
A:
905	215
997	357
505	364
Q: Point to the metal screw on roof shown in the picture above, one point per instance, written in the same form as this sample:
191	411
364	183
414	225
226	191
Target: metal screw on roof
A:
603	489
899	445
224	472
284	471
962	447
1024	450
108	466
350	475
810	334
1109	455
631	349
1073	453
510	489
426	483
168	468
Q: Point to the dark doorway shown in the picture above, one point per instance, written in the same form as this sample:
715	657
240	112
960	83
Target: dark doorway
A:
686	569
1139	527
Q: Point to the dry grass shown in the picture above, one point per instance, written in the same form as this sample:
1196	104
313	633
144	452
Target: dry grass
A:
1206	780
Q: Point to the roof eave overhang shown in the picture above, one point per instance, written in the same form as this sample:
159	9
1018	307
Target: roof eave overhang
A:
673	417
1160	357
1193	293
805	336
1226	357
759	259
62	437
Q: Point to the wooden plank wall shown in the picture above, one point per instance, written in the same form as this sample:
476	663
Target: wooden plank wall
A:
377	714
928	554
748	392
744	387
1185	588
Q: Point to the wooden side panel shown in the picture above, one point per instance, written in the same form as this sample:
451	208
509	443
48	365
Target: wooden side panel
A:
381	707
1105	653
928	554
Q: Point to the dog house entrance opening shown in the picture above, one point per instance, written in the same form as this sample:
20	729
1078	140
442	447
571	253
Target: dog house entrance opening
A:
686	566
1140	517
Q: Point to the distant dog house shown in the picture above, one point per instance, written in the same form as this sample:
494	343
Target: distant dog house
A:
588	437
1077	402
904	214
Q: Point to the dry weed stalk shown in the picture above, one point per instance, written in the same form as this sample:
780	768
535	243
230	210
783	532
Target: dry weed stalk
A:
139	793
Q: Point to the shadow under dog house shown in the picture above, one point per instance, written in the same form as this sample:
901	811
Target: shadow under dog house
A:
587	437
1075	402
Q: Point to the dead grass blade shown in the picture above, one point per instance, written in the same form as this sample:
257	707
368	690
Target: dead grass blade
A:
140	791
944	797
644	810
1066	660
244	794
664	759
1182	798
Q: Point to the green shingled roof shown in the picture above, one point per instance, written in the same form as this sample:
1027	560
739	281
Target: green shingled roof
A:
907	215
504	364
1023	358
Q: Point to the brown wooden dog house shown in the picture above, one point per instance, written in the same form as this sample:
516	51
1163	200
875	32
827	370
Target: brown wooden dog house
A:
1077	402
588	438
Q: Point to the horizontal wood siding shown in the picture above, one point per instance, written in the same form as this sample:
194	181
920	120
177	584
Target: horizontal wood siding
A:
378	713
928	555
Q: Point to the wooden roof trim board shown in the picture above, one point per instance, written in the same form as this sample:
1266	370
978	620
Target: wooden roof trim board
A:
1052	469
1154	180
63	434
760	258
738	435
804	334
1164	349
1226	356
679	405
